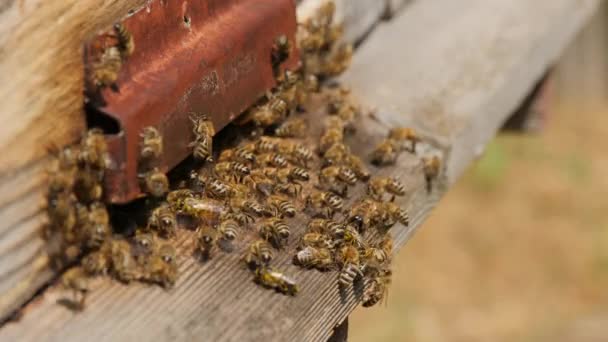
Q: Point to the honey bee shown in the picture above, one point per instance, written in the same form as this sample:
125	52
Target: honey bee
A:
145	245
331	174
247	205
105	69
206	239
291	189
152	143
276	231
126	44
259	182
287	174
392	213
363	214
124	266
358	167
240	154
295	153
326	226
94	150
96	227
62	214
280	50
385	153
309	257
87	187
271	159
258	255
231	171
431	167
378	186
176	198
95	263
270	113
336	154
161	267
292	128
348	258
324	204
278	281
163	220
266	145
156	183
329	138
316	240
351	236
204	131
377	290
228	229
76	280
282	205
376	257
405	134
338	61
311	36
218	189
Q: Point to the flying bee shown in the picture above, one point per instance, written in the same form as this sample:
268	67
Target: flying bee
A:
156	183
385	153
259	254
240	154
271	159
231	171
377	290
94	150
218	189
319	240
228	229
431	167
280	50
278	281
282	205
329	138
145	245
276	231
206	239
163	220
378	186
95	263
124	266
287	174
161	267
96	227
152	143
291	189
405	134
204	131
126	44
76	280
348	258
105	69
324	204
296	127
310	257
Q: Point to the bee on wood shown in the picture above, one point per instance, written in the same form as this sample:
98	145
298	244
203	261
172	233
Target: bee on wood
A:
240	154
87	187
278	281
161	267
105	69
266	145
292	128
358	167
376	257
378	186
176	198
363	214
218	189
126	44
392	213
206	238
280	50
231	171
258	182
259	254
229	229
385	153
163	220
204	131
348	258
329	138
377	290
291	189
311	257
336	154
324	204
96	226
76	280
156	183
144	246
96	263
152	143
271	159
124	265
62	214
270	113
325	226
289	174
94	150
206	210
405	134
319	240
332	174
431	167
282	205
276	231
247	205
351	237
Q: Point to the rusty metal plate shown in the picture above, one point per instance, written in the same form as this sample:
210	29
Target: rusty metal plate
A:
208	56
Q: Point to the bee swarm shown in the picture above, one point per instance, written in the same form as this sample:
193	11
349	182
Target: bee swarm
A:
256	189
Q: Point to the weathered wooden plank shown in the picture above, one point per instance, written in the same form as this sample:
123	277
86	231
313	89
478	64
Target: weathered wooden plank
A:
475	65
42	107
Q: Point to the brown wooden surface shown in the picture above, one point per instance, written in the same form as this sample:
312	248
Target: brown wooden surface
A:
41	107
476	62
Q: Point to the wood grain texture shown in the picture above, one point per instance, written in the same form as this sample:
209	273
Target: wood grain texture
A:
477	61
40	48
